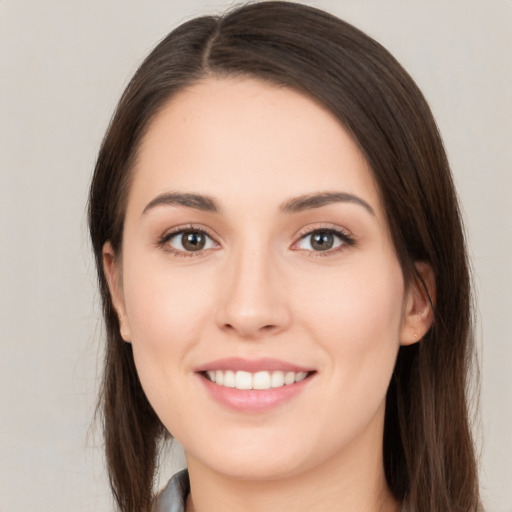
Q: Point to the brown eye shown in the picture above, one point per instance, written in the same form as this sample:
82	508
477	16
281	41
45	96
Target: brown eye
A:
322	241
193	240
188	241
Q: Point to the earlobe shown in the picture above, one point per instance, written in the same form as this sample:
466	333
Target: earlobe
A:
112	273
419	305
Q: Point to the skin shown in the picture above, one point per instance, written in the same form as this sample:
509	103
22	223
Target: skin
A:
259	289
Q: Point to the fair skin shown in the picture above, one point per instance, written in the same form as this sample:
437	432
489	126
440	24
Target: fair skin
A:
310	287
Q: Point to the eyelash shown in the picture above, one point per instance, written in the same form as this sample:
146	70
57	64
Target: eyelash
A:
346	240
163	241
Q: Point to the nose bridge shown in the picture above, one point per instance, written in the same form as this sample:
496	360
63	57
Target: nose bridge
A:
252	304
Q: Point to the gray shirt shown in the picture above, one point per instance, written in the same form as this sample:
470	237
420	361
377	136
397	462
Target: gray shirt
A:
174	496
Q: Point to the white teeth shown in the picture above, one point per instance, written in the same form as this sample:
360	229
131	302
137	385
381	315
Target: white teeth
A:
300	376
277	379
289	378
259	380
243	380
229	379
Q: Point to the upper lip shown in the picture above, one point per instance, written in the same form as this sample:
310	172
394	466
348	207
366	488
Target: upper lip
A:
251	365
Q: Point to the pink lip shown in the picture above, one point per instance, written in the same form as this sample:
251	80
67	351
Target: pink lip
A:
253	400
251	365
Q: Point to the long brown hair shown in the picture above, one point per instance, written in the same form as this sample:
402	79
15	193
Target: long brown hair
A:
428	449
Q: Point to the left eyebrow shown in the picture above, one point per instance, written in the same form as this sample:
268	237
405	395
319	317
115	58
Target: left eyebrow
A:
196	201
309	201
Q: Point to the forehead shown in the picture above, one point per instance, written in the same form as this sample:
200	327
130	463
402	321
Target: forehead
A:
246	138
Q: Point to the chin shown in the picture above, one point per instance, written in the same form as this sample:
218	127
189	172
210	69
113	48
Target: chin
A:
263	469
254	460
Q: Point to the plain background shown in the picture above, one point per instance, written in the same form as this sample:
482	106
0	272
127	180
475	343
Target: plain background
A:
63	65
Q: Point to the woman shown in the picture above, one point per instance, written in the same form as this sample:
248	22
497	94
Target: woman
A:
283	274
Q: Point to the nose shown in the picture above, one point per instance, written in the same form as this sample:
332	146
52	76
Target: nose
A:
254	300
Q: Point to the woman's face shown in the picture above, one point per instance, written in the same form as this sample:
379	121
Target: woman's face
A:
256	252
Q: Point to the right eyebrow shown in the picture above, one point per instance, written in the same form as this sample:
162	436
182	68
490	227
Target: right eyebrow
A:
196	201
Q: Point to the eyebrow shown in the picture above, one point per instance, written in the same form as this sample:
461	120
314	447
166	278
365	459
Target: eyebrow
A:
196	201
310	201
294	205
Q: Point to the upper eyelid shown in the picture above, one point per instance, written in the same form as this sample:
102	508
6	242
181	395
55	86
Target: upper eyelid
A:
189	227
308	230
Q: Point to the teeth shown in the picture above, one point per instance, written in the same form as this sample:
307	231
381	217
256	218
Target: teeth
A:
243	380
277	379
229	379
261	380
289	378
258	380
300	376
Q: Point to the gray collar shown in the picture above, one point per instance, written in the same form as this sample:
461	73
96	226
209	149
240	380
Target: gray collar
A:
174	496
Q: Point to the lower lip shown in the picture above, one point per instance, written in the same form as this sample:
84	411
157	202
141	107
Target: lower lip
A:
254	400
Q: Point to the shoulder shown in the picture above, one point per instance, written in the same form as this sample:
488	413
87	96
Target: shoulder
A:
174	495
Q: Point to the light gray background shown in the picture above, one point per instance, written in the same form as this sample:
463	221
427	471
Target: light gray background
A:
63	65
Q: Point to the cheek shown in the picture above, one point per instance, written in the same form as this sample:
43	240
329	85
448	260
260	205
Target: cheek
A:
167	314
356	325
356	317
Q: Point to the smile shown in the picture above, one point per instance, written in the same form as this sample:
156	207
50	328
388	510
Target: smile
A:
254	385
259	380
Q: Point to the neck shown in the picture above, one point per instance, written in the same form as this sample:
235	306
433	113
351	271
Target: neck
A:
300	495
347	482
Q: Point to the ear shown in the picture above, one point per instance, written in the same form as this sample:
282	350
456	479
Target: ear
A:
112	270
420	300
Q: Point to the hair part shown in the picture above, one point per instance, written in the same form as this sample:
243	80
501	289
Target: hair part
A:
428	450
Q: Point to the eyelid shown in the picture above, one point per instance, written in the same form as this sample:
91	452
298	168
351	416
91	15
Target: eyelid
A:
347	238
163	240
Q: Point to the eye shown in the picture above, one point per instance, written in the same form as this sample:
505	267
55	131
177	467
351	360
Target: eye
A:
322	240
188	240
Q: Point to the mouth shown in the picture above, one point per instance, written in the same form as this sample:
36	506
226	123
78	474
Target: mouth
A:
261	380
254	386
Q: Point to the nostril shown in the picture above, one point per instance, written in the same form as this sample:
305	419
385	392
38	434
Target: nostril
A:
249	330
